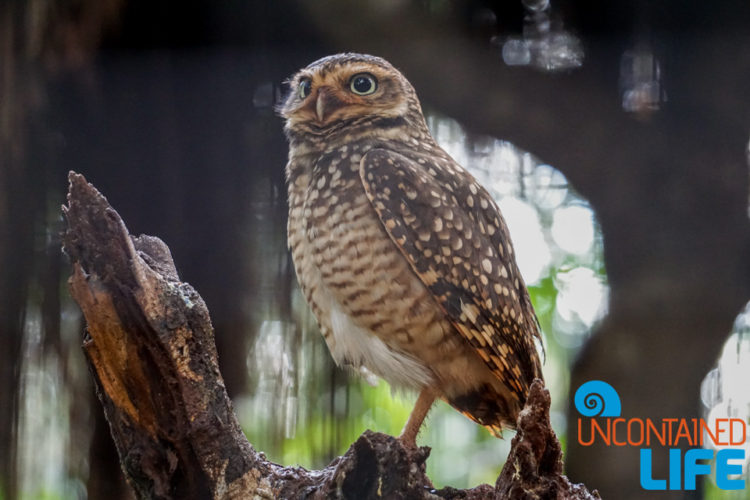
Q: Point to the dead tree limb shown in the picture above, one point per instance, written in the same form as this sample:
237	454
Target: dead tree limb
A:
150	346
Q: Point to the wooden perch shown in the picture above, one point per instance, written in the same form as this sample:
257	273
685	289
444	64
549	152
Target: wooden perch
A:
150	345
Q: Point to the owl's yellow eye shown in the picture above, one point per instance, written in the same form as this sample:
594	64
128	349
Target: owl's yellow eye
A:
363	84
303	90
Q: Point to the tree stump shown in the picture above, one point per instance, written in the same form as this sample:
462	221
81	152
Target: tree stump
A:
150	346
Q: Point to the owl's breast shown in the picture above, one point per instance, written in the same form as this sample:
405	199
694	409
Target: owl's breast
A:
373	310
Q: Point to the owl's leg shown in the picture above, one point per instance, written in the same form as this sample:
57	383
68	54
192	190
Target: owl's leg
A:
424	402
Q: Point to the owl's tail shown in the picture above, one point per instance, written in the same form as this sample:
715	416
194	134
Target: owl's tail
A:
488	408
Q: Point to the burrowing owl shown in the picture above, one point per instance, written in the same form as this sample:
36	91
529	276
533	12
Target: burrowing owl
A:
403	257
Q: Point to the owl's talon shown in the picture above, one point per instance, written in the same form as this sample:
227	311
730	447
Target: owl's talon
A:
408	442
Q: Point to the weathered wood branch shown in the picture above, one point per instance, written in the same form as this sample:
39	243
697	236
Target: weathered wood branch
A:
150	346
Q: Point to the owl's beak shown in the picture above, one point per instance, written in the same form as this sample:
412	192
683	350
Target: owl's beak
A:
326	103
320	107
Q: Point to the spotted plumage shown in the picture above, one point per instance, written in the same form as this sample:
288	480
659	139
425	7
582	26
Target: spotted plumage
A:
403	257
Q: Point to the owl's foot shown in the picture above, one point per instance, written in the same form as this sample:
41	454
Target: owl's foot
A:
424	402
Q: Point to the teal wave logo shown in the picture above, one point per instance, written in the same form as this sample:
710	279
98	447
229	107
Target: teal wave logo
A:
597	398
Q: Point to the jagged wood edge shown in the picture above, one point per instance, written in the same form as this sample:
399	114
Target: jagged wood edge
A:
150	347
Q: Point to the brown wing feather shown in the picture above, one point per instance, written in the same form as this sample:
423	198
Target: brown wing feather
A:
455	239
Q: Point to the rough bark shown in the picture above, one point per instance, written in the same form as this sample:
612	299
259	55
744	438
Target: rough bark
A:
150	346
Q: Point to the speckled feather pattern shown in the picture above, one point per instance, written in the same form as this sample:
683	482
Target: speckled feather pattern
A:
404	258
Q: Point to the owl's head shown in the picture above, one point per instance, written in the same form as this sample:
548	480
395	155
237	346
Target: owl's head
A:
348	89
